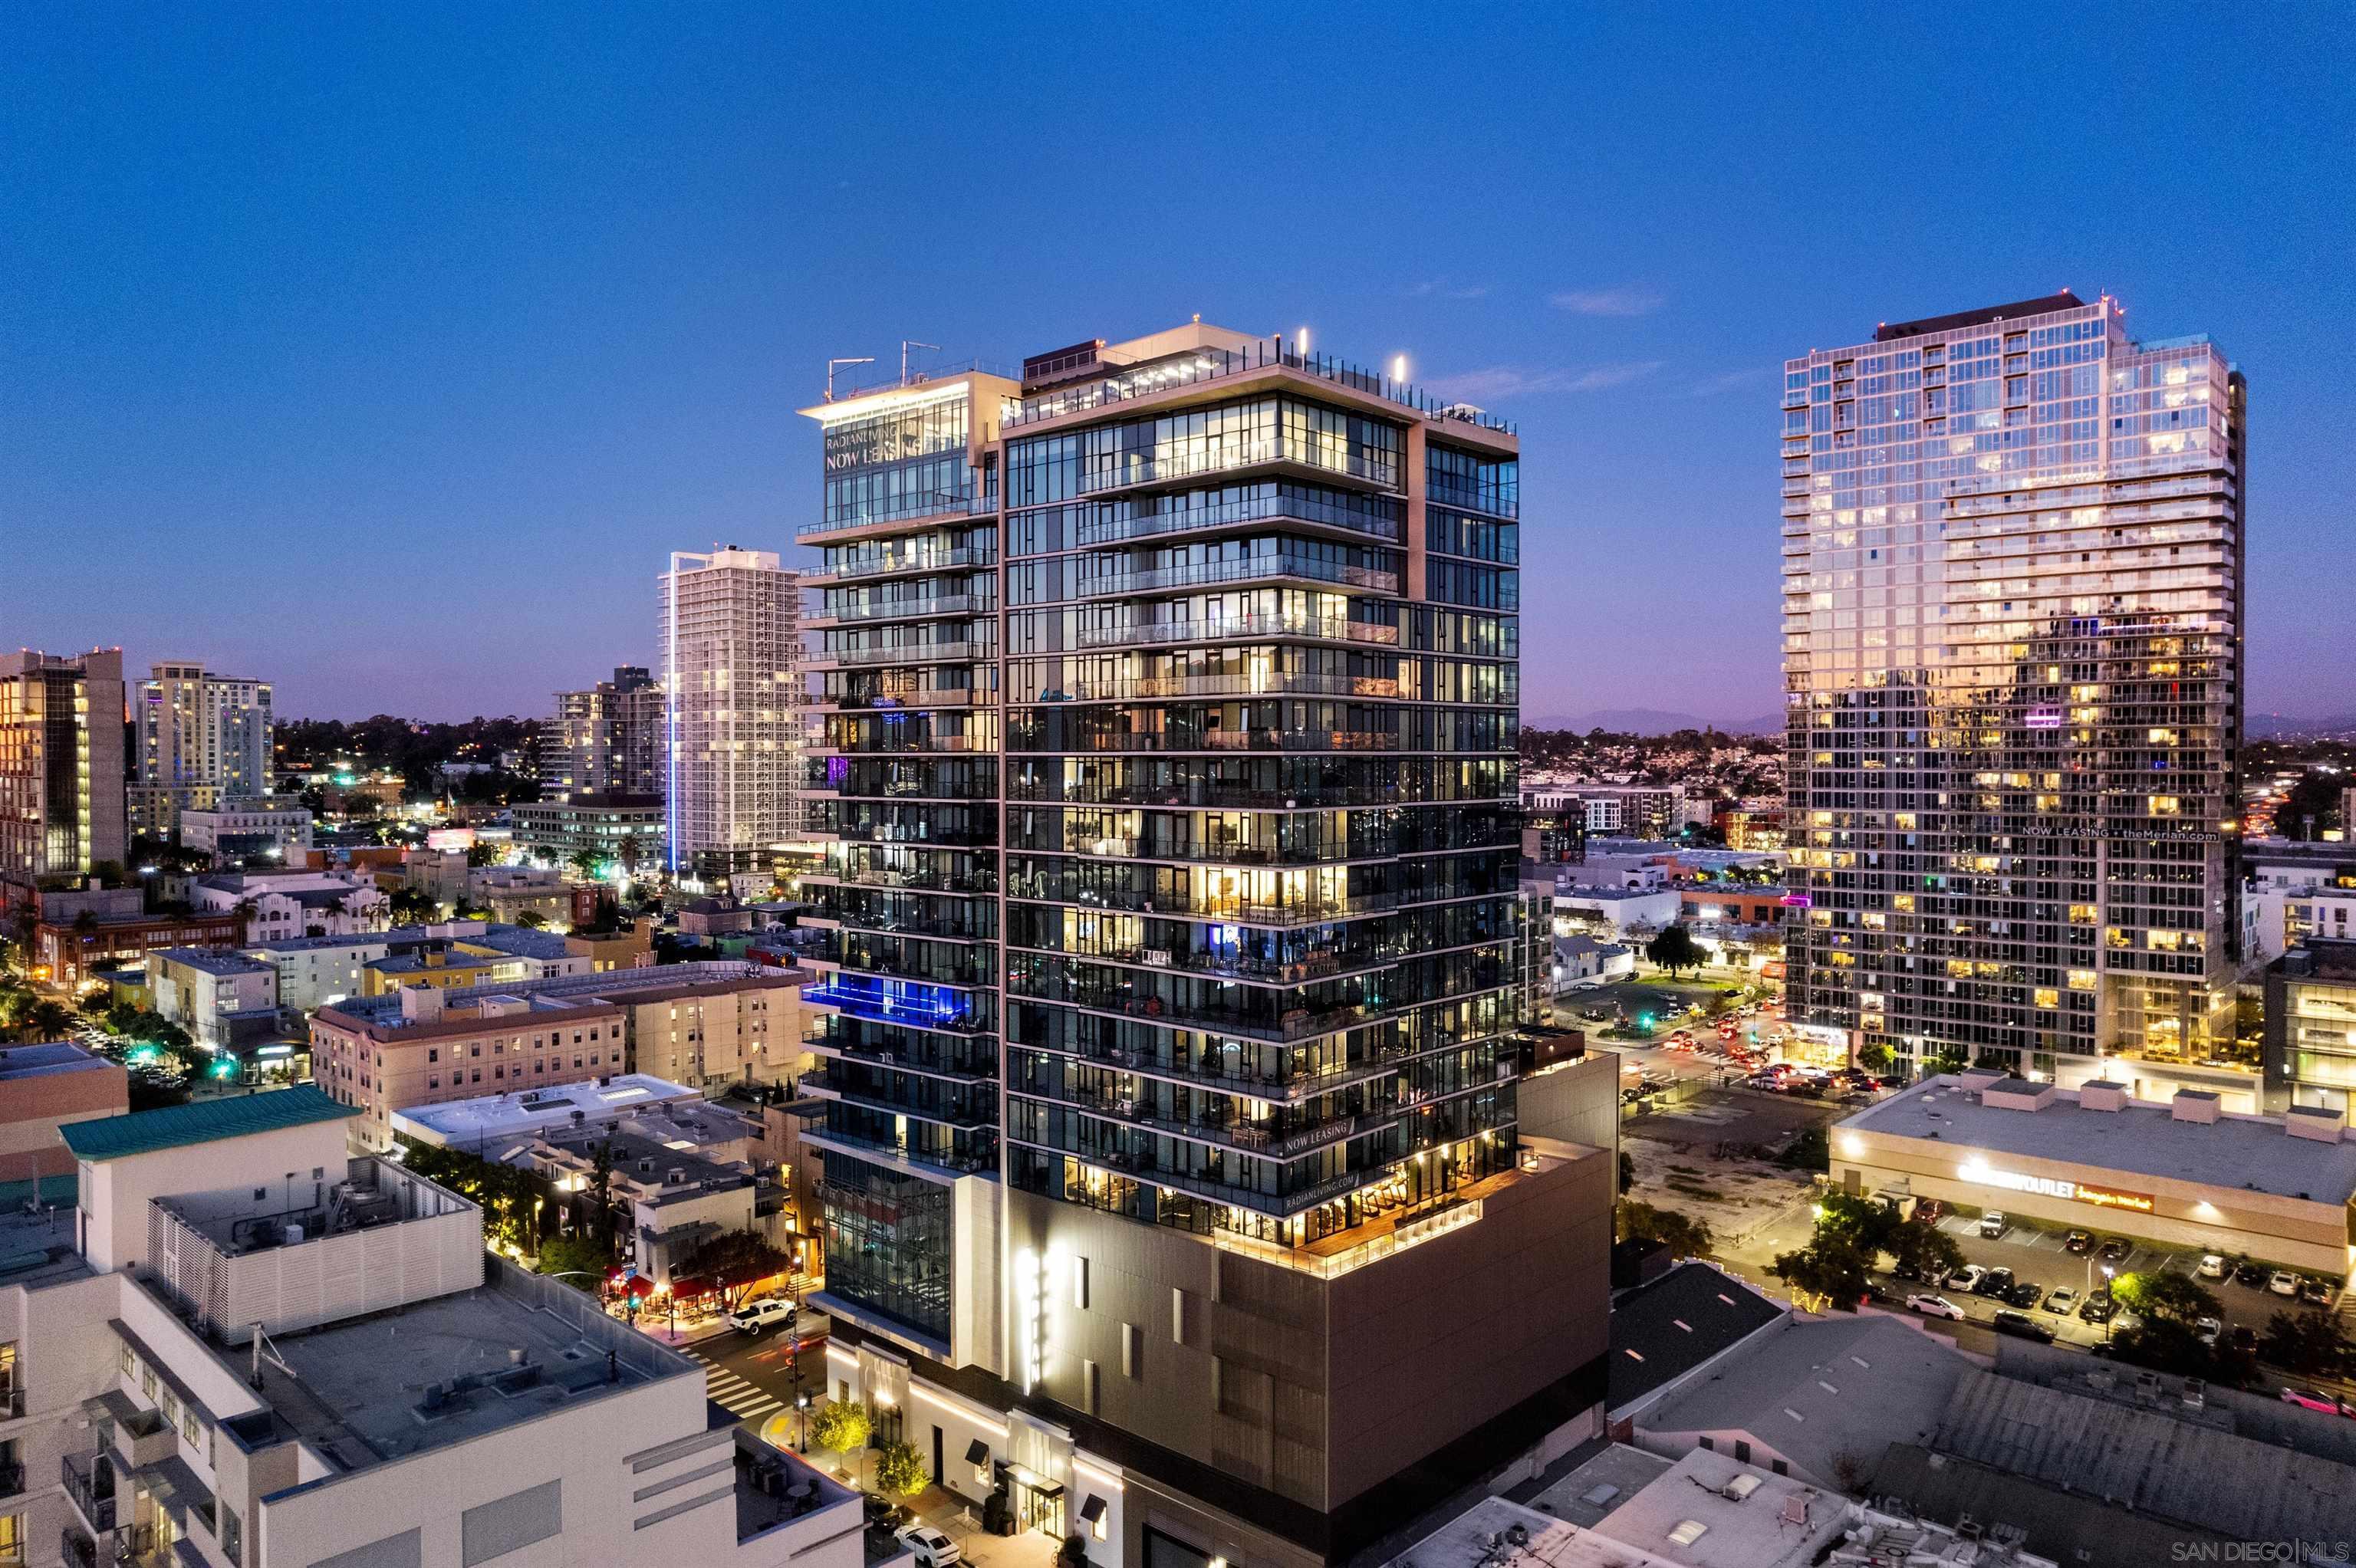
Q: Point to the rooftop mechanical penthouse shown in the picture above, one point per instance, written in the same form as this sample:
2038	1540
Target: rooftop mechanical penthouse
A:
1169	797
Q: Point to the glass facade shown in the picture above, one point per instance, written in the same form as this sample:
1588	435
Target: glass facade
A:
1184	827
2012	590
1260	837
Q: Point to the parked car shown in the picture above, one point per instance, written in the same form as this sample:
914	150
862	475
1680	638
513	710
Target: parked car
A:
2079	1242
2249	1273
2211	1267
1929	1209
1967	1278
2243	1338
1992	1223
932	1548
882	1512
2115	1248
767	1313
1996	1282
2283	1283
2025	1295
2060	1299
1935	1306
2021	1326
2097	1308
2209	1329
2316	1291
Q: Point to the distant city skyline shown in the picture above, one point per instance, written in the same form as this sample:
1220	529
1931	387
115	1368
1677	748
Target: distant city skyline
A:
389	359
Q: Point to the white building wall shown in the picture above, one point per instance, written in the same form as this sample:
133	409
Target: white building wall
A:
115	1194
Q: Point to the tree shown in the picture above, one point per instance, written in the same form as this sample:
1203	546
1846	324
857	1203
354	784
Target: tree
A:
900	1471
580	1254
1073	1552
2305	1342
531	919
630	854
1874	1057
1832	1266
414	906
1924	1252
2165	1297
1947	1058
584	864
1684	1235
46	1020
1627	1173
733	1263
1675	949
839	1425
480	853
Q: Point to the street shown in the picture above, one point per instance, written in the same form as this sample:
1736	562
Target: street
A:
755	1377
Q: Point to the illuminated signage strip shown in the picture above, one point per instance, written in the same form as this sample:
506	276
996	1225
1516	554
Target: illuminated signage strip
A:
2055	1186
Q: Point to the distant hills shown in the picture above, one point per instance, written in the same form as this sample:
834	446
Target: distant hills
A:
2281	726
1651	721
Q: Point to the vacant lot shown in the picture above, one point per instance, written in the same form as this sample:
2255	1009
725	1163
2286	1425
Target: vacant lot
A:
1708	1157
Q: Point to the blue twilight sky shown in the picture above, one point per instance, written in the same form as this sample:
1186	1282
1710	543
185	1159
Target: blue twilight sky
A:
386	351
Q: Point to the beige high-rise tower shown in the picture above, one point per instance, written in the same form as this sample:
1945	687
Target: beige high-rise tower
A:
2013	620
730	663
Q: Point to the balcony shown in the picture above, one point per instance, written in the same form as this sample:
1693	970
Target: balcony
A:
1266	683
910	609
907	1011
89	1481
1278	508
1254	569
1184	740
919	1154
911	654
1287	1027
901	564
1326	629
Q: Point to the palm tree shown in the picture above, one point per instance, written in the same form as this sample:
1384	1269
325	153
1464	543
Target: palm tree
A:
46	1020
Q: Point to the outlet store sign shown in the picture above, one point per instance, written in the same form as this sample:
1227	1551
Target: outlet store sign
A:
2057	1187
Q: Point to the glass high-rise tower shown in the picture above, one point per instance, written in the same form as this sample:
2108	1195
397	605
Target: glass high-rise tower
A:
1168	794
2013	613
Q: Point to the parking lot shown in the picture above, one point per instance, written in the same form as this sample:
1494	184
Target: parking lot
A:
2038	1255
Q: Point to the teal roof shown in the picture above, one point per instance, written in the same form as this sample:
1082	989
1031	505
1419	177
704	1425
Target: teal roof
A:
202	1122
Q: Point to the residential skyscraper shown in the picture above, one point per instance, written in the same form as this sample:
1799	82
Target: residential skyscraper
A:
1173	1094
202	738
607	740
730	652
2012	592
61	798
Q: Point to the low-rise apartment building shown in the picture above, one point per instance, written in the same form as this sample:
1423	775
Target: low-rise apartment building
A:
281	905
239	829
244	1348
430	1046
218	995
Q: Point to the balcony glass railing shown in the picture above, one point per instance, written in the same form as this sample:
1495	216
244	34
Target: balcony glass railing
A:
1214	364
1254	569
904	654
1228	514
1329	628
890	563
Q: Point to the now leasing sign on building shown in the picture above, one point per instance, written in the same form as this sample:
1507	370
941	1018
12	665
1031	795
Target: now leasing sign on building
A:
2055	1186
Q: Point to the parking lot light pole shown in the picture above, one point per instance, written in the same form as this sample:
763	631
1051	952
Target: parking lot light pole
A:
2112	1310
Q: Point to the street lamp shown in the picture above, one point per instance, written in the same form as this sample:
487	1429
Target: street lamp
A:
801	1421
2113	1310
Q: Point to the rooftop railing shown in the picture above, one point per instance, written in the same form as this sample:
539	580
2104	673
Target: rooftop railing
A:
1216	364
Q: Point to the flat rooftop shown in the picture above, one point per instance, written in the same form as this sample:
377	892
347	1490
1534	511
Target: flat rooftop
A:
47	1061
2233	1152
462	1121
456	1367
215	960
37	1246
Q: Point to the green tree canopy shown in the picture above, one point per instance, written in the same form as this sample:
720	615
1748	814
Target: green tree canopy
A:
1684	1235
839	1425
900	1471
733	1261
1675	949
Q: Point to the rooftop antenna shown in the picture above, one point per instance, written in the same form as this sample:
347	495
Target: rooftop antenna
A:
834	365
906	343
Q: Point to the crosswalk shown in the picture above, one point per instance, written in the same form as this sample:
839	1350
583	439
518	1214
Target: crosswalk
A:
739	1398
